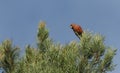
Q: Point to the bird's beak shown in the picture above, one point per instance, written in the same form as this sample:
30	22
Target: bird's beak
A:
70	26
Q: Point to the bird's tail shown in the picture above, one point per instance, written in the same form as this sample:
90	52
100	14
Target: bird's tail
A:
79	36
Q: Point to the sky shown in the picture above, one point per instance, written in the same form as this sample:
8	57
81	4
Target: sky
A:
19	20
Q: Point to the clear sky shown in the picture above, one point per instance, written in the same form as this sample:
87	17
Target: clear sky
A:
19	20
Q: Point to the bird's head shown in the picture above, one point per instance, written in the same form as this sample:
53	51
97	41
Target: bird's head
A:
72	25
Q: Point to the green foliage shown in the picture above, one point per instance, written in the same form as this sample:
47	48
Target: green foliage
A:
42	37
9	56
90	55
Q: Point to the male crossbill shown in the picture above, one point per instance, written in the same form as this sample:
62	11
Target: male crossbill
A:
77	30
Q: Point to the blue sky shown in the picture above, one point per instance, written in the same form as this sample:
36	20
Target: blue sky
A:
19	20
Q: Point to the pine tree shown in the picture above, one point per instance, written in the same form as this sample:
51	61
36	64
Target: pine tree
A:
9	56
90	55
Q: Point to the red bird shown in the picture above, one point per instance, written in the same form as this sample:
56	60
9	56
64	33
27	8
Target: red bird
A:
77	30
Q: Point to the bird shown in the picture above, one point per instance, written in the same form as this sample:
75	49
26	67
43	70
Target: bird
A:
77	29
